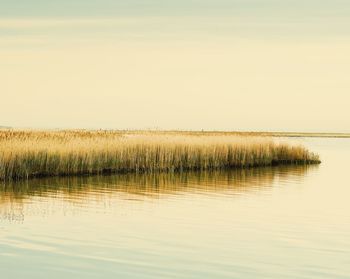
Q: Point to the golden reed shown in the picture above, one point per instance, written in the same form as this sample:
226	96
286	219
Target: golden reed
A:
29	153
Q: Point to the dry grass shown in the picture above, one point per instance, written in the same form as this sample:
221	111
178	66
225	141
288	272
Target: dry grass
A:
25	154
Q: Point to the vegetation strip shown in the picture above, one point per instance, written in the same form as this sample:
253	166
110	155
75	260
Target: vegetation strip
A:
27	153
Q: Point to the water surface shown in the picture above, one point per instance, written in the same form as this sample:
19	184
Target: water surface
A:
281	222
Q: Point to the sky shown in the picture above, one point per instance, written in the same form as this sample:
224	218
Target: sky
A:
250	65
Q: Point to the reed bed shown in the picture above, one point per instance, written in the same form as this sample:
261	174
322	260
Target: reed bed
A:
27	153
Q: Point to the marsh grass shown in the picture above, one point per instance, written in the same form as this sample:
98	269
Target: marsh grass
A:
26	153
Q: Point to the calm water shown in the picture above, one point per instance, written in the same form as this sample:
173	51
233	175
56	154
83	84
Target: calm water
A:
288	222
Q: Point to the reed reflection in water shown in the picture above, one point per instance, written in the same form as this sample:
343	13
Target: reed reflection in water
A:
81	191
180	225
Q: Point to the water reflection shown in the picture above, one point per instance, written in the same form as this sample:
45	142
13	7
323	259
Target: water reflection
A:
92	191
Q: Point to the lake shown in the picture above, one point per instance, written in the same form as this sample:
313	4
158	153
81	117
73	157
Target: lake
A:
279	222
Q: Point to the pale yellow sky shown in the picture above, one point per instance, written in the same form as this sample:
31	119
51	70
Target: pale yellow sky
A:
85	75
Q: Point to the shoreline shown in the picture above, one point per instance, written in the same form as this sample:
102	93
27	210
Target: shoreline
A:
109	172
192	132
33	153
